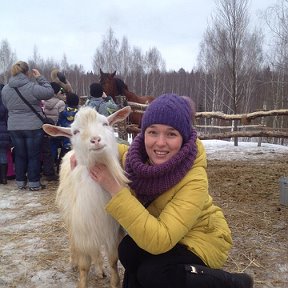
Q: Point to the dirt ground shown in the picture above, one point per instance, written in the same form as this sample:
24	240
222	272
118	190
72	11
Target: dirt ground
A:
34	247
248	192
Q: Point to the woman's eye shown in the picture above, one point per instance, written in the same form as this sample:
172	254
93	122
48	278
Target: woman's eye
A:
151	131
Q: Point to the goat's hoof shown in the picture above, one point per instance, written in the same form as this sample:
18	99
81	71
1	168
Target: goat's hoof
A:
101	274
74	268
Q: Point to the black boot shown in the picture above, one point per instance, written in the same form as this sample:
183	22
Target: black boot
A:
3	173
214	278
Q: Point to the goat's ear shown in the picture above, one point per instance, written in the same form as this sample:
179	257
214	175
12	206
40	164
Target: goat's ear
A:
119	115
57	131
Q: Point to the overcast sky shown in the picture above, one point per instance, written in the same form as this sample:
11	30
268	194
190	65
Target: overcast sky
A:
76	28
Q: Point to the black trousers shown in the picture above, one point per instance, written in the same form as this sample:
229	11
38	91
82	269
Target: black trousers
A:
47	158
145	270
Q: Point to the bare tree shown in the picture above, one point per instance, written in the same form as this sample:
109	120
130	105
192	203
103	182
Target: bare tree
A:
153	65
229	48
36	60
107	55
7	59
64	63
137	71
124	59
276	18
130	64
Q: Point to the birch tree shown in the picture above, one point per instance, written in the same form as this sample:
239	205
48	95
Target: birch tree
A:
106	56
229	48
7	59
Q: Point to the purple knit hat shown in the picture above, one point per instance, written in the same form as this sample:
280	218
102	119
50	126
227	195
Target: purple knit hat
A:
171	110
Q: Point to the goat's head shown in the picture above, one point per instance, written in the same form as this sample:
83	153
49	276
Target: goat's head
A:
92	135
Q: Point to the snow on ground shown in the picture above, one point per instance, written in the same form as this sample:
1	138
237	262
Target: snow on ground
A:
225	150
17	252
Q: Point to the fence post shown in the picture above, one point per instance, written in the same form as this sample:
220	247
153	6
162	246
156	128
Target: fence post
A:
122	131
262	123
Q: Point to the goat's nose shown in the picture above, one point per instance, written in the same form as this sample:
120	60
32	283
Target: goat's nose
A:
95	140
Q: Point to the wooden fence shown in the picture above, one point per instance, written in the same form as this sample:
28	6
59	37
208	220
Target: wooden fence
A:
244	128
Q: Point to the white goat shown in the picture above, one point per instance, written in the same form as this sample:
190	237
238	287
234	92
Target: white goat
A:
81	200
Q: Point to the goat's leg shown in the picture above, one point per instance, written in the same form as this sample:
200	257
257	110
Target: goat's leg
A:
112	251
73	256
84	264
97	260
113	261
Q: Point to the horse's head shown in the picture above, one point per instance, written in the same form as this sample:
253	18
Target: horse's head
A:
108	83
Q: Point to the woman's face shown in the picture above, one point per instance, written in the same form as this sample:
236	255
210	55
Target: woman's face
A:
162	142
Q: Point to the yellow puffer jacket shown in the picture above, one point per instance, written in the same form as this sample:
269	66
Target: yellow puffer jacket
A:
184	214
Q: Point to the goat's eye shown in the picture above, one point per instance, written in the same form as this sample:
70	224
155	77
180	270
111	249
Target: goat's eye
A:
75	132
105	124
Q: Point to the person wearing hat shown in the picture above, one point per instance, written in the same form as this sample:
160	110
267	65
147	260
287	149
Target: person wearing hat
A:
176	235
52	108
66	118
98	100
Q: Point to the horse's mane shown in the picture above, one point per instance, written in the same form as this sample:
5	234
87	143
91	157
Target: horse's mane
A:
121	86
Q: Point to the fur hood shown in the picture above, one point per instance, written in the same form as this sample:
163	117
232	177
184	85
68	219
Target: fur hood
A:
59	77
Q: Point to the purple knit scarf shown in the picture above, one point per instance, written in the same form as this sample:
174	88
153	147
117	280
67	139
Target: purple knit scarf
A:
150	181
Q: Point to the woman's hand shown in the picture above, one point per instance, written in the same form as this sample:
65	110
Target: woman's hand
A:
101	174
35	73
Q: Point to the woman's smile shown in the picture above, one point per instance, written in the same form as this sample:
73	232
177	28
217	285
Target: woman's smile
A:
162	142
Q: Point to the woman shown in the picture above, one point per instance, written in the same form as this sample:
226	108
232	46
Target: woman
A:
24	127
4	141
176	236
52	109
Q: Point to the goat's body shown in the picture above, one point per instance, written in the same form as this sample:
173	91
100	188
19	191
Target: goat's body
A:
81	200
82	204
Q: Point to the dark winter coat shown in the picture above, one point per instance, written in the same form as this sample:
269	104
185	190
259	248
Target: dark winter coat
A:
66	117
4	134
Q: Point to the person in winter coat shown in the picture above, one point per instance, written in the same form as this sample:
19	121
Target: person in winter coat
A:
50	145
56	104
66	118
98	100
5	142
24	127
176	235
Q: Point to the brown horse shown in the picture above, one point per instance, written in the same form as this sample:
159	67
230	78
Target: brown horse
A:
113	87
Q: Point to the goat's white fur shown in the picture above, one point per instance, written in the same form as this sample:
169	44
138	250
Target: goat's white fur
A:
80	199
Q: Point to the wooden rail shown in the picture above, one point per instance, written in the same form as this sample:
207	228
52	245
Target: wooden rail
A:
262	130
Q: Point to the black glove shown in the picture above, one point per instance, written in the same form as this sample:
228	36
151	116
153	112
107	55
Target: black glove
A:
108	98
61	77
